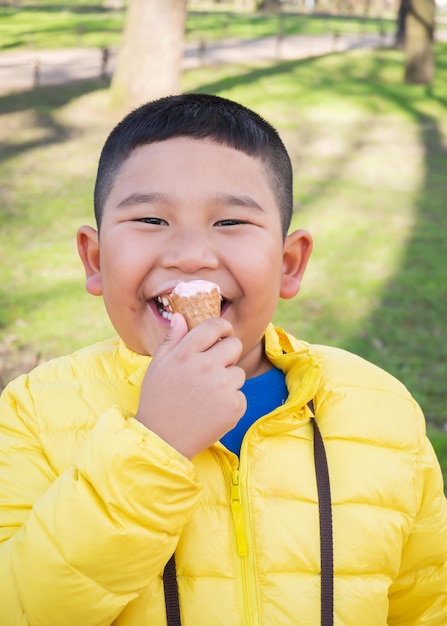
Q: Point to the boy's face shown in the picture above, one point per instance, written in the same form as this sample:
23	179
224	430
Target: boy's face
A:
185	209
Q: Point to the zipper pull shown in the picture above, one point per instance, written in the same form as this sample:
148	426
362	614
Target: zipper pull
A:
238	514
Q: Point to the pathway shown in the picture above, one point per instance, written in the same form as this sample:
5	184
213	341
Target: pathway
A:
25	68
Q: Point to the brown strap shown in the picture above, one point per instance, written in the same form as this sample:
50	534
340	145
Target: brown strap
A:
326	535
171	593
326	543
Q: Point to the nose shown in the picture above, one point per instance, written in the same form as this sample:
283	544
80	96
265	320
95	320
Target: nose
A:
190	251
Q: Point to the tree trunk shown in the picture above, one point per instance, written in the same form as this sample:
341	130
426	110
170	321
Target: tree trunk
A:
246	5
419	35
404	8
270	5
150	57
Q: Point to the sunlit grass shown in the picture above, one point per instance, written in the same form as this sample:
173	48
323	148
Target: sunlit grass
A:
90	25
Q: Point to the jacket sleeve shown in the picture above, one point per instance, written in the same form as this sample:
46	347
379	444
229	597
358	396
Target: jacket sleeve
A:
78	547
419	594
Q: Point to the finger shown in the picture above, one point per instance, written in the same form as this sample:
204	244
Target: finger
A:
242	400
208	333
177	330
227	351
236	377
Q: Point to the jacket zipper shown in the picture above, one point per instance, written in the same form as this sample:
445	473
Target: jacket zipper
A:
242	533
240	517
238	513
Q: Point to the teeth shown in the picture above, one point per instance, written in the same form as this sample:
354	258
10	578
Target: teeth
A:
162	302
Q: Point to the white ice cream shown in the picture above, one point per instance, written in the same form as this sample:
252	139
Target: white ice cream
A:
190	288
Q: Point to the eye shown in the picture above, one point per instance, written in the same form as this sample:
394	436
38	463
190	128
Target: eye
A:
155	221
230	222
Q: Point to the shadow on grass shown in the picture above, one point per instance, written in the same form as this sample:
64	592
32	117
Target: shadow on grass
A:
43	103
57	8
411	318
18	305
19	357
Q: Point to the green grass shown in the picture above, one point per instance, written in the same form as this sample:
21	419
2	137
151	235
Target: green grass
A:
53	27
50	26
369	155
216	25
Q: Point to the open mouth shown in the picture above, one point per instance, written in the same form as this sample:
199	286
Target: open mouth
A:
165	311
163	307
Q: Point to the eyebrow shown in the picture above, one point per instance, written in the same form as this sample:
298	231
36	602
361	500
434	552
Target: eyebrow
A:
222	199
228	199
141	198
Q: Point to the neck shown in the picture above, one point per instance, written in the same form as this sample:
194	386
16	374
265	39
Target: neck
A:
255	362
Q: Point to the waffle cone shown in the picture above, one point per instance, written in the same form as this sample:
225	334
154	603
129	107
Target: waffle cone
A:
197	308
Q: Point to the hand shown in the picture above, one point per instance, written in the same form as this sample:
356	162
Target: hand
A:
190	395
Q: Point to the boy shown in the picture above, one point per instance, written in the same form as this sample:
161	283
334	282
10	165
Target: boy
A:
111	460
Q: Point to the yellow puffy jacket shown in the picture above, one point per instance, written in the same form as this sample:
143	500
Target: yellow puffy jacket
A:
92	504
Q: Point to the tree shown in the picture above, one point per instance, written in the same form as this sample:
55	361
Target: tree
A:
416	25
150	56
270	5
245	5
404	8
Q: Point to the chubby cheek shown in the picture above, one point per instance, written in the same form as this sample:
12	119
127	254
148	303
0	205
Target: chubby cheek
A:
262	279
257	309
136	328
261	293
122	269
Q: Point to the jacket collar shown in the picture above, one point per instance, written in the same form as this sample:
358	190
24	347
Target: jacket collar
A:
134	364
301	366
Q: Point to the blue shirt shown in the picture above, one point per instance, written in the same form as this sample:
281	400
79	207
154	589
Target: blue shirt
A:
264	393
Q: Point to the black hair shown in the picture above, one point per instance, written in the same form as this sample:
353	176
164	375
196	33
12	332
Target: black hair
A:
198	116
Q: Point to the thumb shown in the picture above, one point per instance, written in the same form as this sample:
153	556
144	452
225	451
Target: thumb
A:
177	330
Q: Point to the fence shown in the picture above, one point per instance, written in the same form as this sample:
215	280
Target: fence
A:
32	69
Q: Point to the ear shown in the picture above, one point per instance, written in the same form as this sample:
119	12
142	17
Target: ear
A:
296	253
88	249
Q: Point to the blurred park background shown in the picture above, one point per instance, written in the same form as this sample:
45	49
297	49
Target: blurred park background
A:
358	91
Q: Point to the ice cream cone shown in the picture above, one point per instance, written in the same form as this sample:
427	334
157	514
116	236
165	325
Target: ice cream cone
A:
196	301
